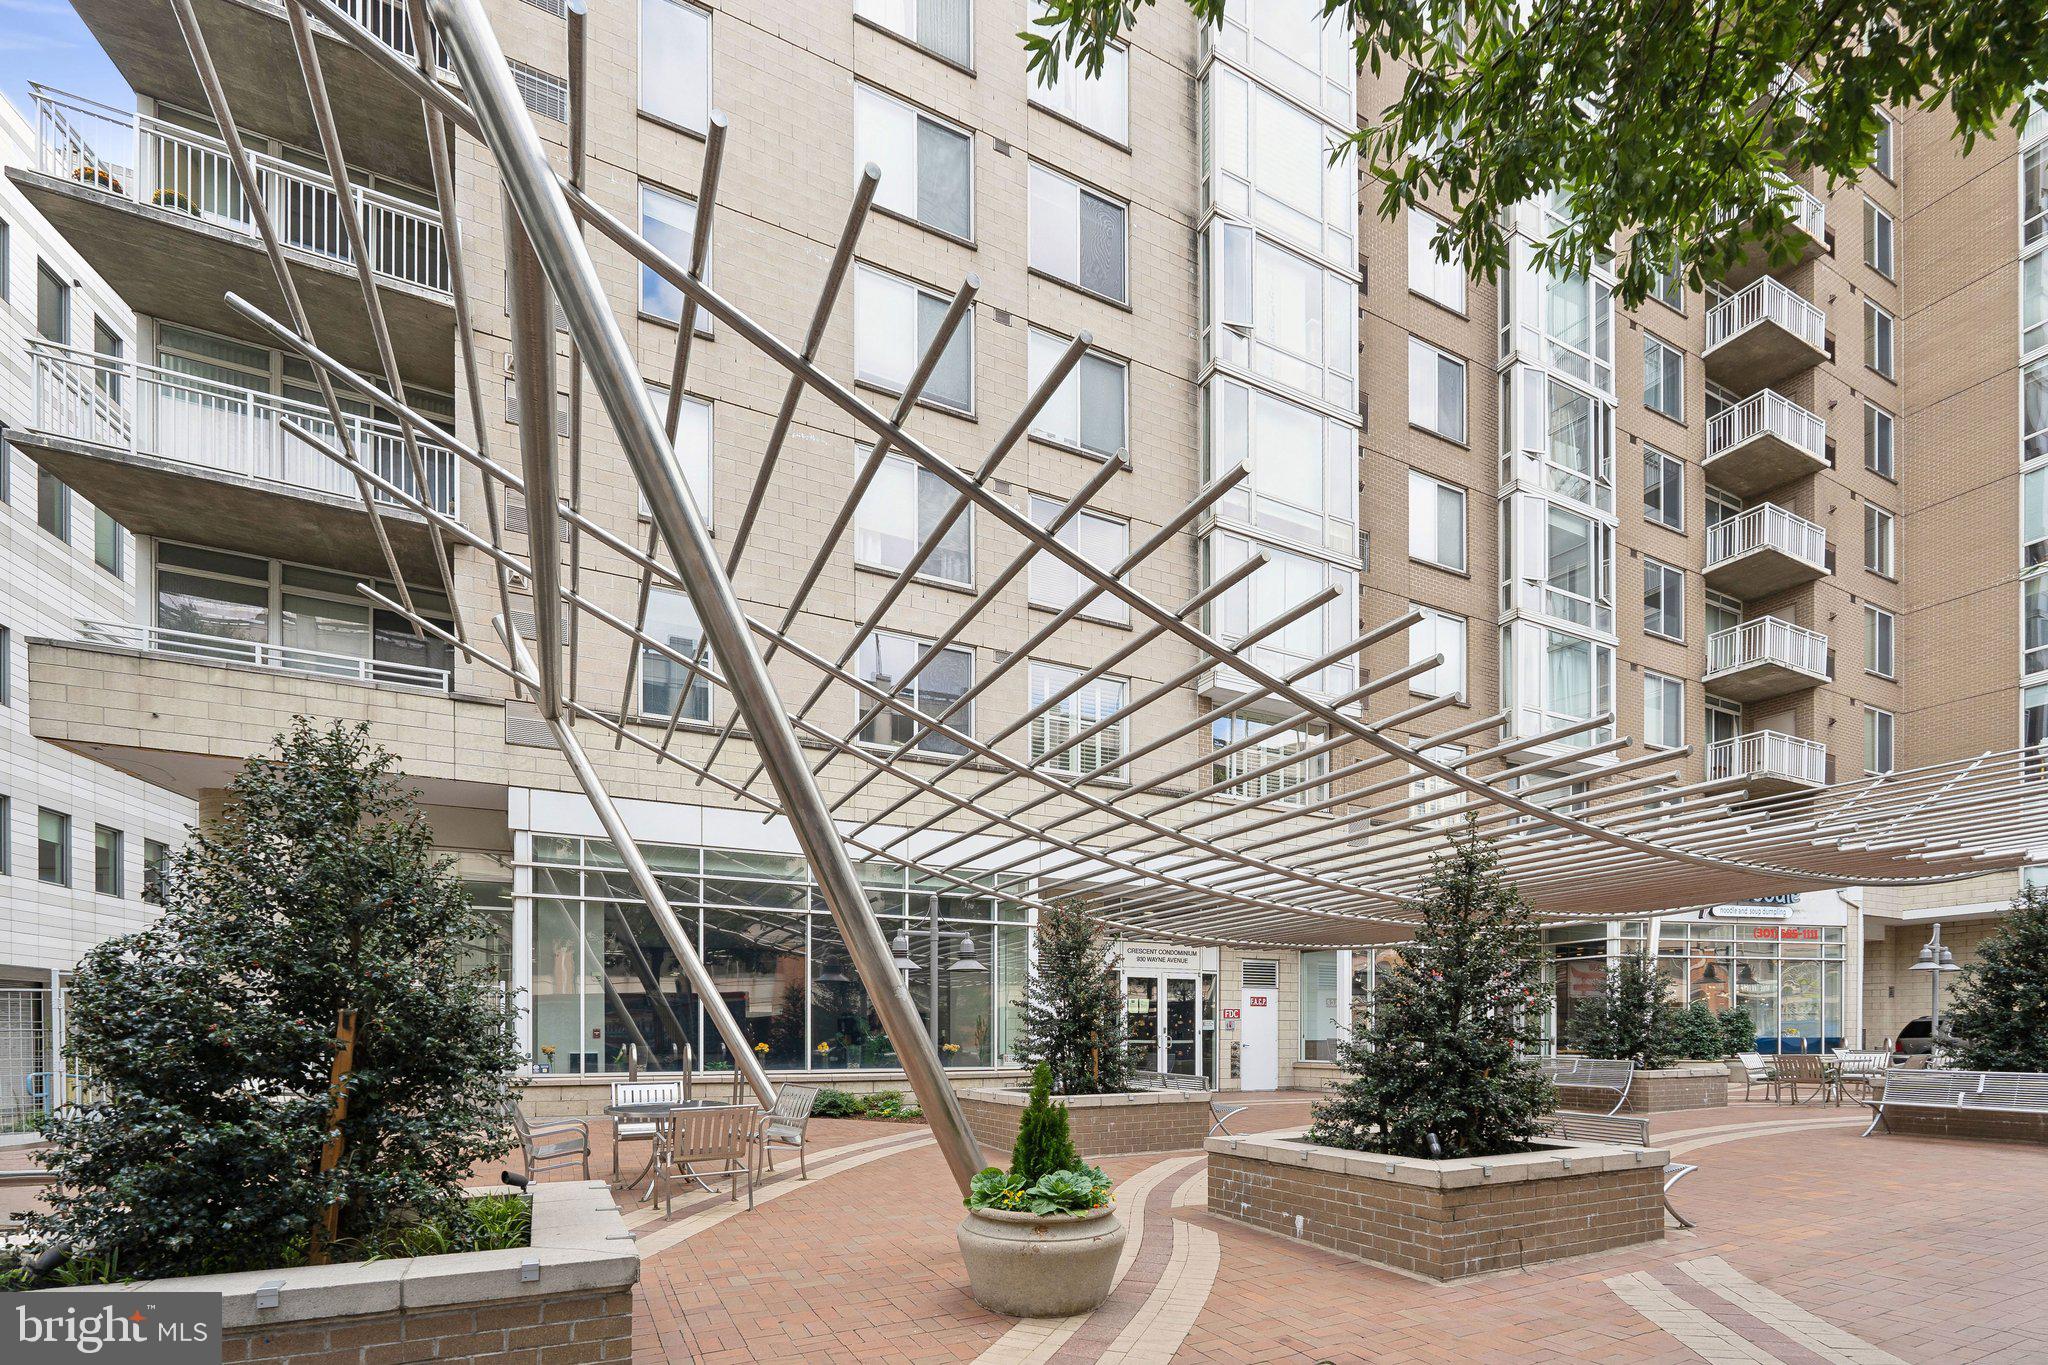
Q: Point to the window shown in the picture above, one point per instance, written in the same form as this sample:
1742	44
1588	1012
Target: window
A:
6	673
6	836
672	619
894	322
1879	729
2034	625
1304	466
53	305
1668	288
903	506
1878	230
1663	600
1437	280
1879	550
1259	752
107	343
1077	235
1436	801
1280	315
1101	540
884	661
1273	165
1663	378
1878	339
945	28
1436	391
1436	522
107	543
1556	435
107	847
1880	641
2033	409
675	63
1663	711
53	847
1880	433
669	221
6	262
2034	192
1087	411
692	447
1438	633
1562	562
1276	588
1881	152
1099	103
2034	303
53	505
1663	488
2034	518
927	165
1079	707
544	95
156	855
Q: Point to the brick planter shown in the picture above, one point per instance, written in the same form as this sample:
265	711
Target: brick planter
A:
472	1306
1692	1085
1102	1125
1443	1219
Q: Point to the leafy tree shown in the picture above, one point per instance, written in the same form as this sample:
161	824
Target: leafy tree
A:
1633	1019
1442	1069
208	1037
1697	1034
1670	128
1738	1031
1999	1018
1074	1007
1044	1144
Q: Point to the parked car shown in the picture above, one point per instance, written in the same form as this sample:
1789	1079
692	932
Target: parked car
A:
1916	1039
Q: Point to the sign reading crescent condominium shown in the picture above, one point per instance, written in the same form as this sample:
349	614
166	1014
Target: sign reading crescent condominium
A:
110	1327
1156	957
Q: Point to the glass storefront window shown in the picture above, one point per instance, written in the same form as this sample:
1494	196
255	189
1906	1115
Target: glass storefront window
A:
1325	1011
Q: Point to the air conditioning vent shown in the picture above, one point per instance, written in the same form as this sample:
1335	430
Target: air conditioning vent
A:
1261	973
525	728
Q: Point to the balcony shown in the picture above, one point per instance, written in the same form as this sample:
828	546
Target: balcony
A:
159	211
251	43
1769	762
1761	334
221	649
172	455
1764	550
1764	441
1767	657
1807	232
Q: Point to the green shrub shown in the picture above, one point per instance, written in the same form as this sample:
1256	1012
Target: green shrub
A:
1738	1031
1999	1021
1632	1020
1043	1143
836	1104
1696	1034
1074	1006
1075	1191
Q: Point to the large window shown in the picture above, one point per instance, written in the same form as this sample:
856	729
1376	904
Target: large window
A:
927	164
945	28
1280	315
1438	633
1435	279
2033	303
1663	711
1561	562
53	305
1878	340
669	221
903	506
1880	642
1663	488
672	619
1100	103
1325	1005
894	323
1663	600
1878	230
1074	708
1285	581
53	505
1078	235
1880	551
1101	540
2034	410
1087	411
1878	738
1436	390
1436	522
1280	168
1304	466
53	847
885	661
1787	977
108	850
2034	193
1273	761
1880	436
692	446
675	63
1290	45
1663	378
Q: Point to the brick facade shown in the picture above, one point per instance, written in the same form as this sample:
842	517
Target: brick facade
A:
1656	1092
1981	1125
1102	1125
559	1330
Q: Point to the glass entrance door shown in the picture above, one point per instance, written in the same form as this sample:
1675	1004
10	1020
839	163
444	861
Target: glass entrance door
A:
1182	1034
1141	1022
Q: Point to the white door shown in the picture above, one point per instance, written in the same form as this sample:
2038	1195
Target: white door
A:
1259	1030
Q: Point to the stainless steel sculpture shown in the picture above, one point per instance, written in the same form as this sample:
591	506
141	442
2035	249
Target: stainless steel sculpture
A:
1321	858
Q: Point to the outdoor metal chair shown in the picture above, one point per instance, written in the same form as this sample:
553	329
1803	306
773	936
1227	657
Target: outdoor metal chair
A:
1809	1069
555	1142
1757	1070
784	1125
697	1144
634	1130
1221	1114
1862	1068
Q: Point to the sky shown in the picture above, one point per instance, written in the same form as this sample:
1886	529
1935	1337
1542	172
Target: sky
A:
43	41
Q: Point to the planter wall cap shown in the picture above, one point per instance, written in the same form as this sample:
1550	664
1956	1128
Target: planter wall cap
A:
500	1275
1020	1098
1685	1069
1552	1160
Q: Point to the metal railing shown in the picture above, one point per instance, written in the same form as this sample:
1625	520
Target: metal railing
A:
389	25
149	410
1769	753
225	649
1766	300
148	161
1767	527
1766	413
1767	640
1809	212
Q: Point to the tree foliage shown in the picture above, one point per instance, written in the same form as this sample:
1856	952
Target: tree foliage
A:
1633	1021
1670	129
1044	1143
1738	1031
1442	1069
1074	1007
207	1038
1999	1014
1696	1034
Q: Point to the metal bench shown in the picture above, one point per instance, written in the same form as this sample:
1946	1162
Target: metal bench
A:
1593	1073
2004	1092
1219	1112
1622	1130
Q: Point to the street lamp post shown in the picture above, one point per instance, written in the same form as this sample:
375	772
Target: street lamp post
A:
1936	960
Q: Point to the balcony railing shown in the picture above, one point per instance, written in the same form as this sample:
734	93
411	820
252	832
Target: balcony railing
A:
224	649
1766	413
1768	640
146	161
1767	527
148	410
1809	213
388	24
1769	754
1765	300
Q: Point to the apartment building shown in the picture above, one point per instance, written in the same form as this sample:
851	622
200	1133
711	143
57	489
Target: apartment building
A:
78	839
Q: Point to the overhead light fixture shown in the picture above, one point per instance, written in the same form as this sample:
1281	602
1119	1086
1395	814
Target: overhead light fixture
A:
900	945
966	961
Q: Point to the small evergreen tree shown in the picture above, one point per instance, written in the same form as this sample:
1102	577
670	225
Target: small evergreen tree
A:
1044	1143
1074	1007
1999	1018
1738	1031
1696	1034
208	1037
1632	1021
1443	1067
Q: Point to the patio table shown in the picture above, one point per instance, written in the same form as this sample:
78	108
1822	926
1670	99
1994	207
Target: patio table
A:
656	1113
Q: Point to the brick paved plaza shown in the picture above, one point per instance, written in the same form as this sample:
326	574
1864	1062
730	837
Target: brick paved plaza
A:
1813	1245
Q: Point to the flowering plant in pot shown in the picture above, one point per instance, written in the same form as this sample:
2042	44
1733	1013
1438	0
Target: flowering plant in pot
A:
1042	1238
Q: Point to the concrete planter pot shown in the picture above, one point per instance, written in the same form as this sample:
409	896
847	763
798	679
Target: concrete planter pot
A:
1026	1266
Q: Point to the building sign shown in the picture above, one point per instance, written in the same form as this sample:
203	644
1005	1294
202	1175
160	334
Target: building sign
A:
1752	910
1257	1002
1230	1012
1161	957
1786	933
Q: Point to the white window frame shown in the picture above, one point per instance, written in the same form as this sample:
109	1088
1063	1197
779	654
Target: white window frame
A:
649	280
867	709
695	20
1671	593
1880	740
1880	239
1426	370
1666	357
1247	318
1880	541
1052	586
899	17
1670	693
1425	541
1882	148
1055	208
872	103
866	279
1059	422
1880	441
1666	462
1880	340
1441	282
1439	632
1229	727
1068	95
1073	714
1263	151
886	496
1880	642
695	446
700	685
1267	432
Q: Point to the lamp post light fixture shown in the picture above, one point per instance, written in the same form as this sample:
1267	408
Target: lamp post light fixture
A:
1936	960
